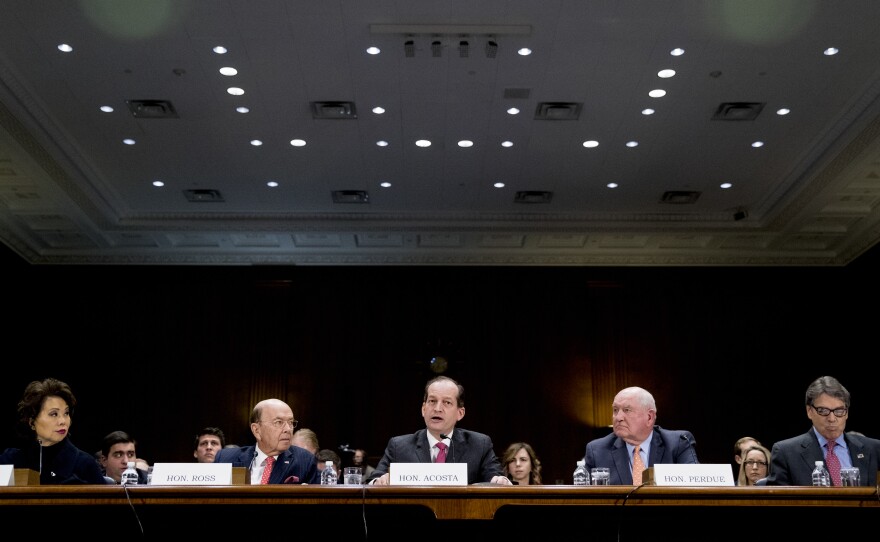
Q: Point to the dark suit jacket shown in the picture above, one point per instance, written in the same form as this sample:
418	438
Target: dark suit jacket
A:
64	463
469	447
667	446
792	460
294	466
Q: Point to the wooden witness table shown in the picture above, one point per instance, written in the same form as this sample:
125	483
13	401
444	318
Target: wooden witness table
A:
356	513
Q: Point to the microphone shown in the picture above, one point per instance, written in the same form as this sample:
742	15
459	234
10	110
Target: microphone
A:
691	444
251	466
40	443
451	449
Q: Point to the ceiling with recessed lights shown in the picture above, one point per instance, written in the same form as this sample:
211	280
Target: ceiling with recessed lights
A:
499	132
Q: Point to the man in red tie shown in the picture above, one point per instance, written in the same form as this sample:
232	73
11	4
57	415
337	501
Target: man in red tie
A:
273	459
441	441
827	405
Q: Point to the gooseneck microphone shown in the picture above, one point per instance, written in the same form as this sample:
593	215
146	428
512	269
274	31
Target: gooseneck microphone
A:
687	439
251	467
451	449
40	444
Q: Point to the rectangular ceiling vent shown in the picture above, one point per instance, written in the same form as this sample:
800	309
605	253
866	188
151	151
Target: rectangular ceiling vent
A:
738	111
680	196
533	196
203	195
334	110
558	111
152	109
351	196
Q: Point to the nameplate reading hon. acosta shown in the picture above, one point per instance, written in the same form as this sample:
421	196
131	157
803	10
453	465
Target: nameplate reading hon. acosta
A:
695	475
192	474
428	474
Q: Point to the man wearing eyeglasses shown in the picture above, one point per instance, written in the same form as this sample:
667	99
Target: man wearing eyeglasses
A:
827	405
273	459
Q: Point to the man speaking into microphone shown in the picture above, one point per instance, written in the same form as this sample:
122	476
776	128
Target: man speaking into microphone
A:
441	441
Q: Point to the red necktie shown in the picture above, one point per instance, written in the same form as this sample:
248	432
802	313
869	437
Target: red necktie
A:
833	463
441	455
267	471
638	467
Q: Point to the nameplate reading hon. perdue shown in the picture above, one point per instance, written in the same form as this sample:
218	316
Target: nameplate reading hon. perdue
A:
695	475
192	474
428	474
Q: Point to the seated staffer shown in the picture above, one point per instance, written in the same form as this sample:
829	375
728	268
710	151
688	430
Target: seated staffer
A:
209	441
633	415
827	406
739	447
522	464
755	465
272	424
359	459
306	438
118	449
442	408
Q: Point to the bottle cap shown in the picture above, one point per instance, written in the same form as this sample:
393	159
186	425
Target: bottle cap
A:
131	464
328	463
820	463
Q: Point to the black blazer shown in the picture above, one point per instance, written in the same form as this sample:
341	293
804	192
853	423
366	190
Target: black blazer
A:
792	460
294	466
65	464
469	447
667	446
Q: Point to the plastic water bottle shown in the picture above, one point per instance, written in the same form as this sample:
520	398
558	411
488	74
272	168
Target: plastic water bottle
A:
328	475
129	475
820	475
581	476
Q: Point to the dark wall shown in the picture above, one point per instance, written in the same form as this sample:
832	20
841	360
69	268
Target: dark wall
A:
163	351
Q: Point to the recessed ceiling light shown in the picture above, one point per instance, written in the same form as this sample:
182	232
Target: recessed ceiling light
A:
513	111
591	144
423	143
666	74
678	51
235	91
525	51
632	144
373	50
385	184
378	110
725	185
507	144
831	51
382	143
243	109
106	109
272	184
783	111
647	111
220	50
159	184
64	48
757	144
256	142
498	185
298	142
465	143
228	71
128	141
611	185
657	93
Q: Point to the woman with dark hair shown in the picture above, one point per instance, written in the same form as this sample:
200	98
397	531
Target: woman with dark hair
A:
521	464
44	418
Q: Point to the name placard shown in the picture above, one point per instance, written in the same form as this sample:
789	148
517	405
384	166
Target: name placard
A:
428	474
6	475
704	474
192	474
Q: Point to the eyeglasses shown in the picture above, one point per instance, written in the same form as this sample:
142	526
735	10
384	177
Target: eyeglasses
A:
279	423
752	463
822	411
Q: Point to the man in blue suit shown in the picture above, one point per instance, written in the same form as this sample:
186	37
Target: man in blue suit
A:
634	413
272	423
827	403
442	409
